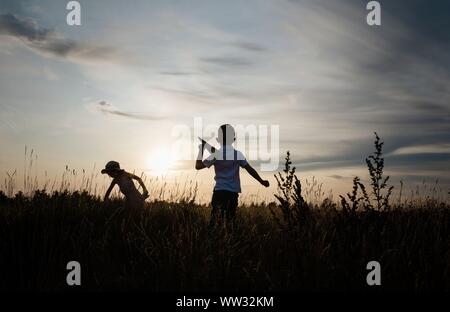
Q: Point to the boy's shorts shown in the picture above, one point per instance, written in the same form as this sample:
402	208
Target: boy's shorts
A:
226	202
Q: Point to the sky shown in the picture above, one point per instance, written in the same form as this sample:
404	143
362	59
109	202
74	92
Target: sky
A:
118	85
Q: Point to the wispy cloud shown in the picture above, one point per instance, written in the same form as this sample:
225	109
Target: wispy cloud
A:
249	46
423	149
227	61
176	73
109	109
49	42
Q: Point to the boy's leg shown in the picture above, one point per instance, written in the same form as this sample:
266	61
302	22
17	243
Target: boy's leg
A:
215	208
231	206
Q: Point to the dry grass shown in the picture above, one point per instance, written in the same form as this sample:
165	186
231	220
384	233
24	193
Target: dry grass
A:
294	244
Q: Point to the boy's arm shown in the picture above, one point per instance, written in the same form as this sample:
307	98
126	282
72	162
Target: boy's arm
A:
199	161
108	191
141	183
255	175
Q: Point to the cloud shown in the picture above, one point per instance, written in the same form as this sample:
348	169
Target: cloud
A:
22	28
109	109
423	149
249	46
227	61
189	92
176	73
49	42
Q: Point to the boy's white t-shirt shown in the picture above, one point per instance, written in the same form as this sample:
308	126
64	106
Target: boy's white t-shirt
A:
226	161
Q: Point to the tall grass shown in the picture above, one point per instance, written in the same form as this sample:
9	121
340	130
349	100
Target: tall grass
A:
303	241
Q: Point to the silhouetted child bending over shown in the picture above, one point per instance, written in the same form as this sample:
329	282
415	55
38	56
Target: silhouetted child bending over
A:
226	161
124	180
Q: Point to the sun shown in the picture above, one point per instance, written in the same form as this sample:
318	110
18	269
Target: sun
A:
160	162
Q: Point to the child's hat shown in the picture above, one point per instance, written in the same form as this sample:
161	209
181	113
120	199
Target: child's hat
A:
111	166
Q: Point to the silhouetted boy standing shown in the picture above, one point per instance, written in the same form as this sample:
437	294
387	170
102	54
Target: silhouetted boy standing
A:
226	161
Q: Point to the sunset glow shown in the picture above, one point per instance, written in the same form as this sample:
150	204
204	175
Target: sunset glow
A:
160	162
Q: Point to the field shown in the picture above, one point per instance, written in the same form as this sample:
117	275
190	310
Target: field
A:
290	244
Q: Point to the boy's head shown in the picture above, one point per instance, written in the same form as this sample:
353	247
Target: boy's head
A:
226	135
112	169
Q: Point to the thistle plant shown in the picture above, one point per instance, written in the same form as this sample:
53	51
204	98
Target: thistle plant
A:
378	199
291	202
